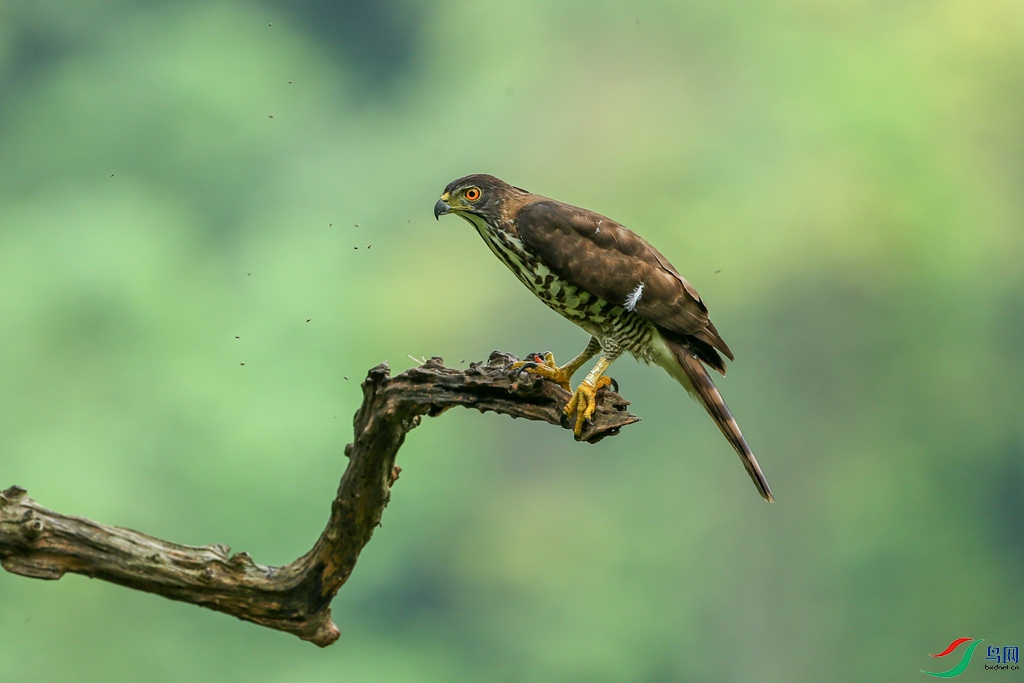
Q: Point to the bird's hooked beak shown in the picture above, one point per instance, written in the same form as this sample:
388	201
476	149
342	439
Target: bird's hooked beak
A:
447	204
441	208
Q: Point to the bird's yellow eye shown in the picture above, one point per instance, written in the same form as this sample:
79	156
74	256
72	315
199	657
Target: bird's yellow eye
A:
473	194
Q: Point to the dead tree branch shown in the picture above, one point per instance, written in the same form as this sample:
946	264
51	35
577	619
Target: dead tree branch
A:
43	544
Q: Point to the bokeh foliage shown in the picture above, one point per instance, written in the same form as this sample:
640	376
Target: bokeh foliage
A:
189	186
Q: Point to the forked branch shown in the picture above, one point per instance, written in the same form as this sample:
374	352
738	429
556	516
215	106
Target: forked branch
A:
43	544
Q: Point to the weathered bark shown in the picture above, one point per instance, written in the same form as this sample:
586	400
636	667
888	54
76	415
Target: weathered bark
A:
43	544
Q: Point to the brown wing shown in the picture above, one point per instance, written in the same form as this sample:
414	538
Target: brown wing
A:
610	261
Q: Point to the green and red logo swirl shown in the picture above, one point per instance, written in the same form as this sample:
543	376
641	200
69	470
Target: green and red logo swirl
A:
964	661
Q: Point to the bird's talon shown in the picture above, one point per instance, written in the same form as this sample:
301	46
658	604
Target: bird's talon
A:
545	367
584	403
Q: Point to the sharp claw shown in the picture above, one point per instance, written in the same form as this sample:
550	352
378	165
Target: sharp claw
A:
583	404
615	385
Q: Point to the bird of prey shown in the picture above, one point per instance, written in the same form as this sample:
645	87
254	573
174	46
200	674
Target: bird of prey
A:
609	281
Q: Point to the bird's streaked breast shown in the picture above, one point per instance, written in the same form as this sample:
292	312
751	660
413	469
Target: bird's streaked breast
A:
607	321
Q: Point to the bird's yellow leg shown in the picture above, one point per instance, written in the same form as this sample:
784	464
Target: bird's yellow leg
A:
584	399
559	375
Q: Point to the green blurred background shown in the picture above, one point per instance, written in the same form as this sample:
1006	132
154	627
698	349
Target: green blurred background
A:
189	186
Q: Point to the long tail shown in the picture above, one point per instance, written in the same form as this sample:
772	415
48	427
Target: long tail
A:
697	381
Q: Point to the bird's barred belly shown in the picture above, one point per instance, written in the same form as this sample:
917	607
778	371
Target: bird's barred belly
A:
616	328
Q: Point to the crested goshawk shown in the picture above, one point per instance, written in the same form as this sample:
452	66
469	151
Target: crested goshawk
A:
609	281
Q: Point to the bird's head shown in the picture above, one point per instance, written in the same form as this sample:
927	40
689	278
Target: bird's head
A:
479	195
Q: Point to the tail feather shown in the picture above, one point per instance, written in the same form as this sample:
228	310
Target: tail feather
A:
705	390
